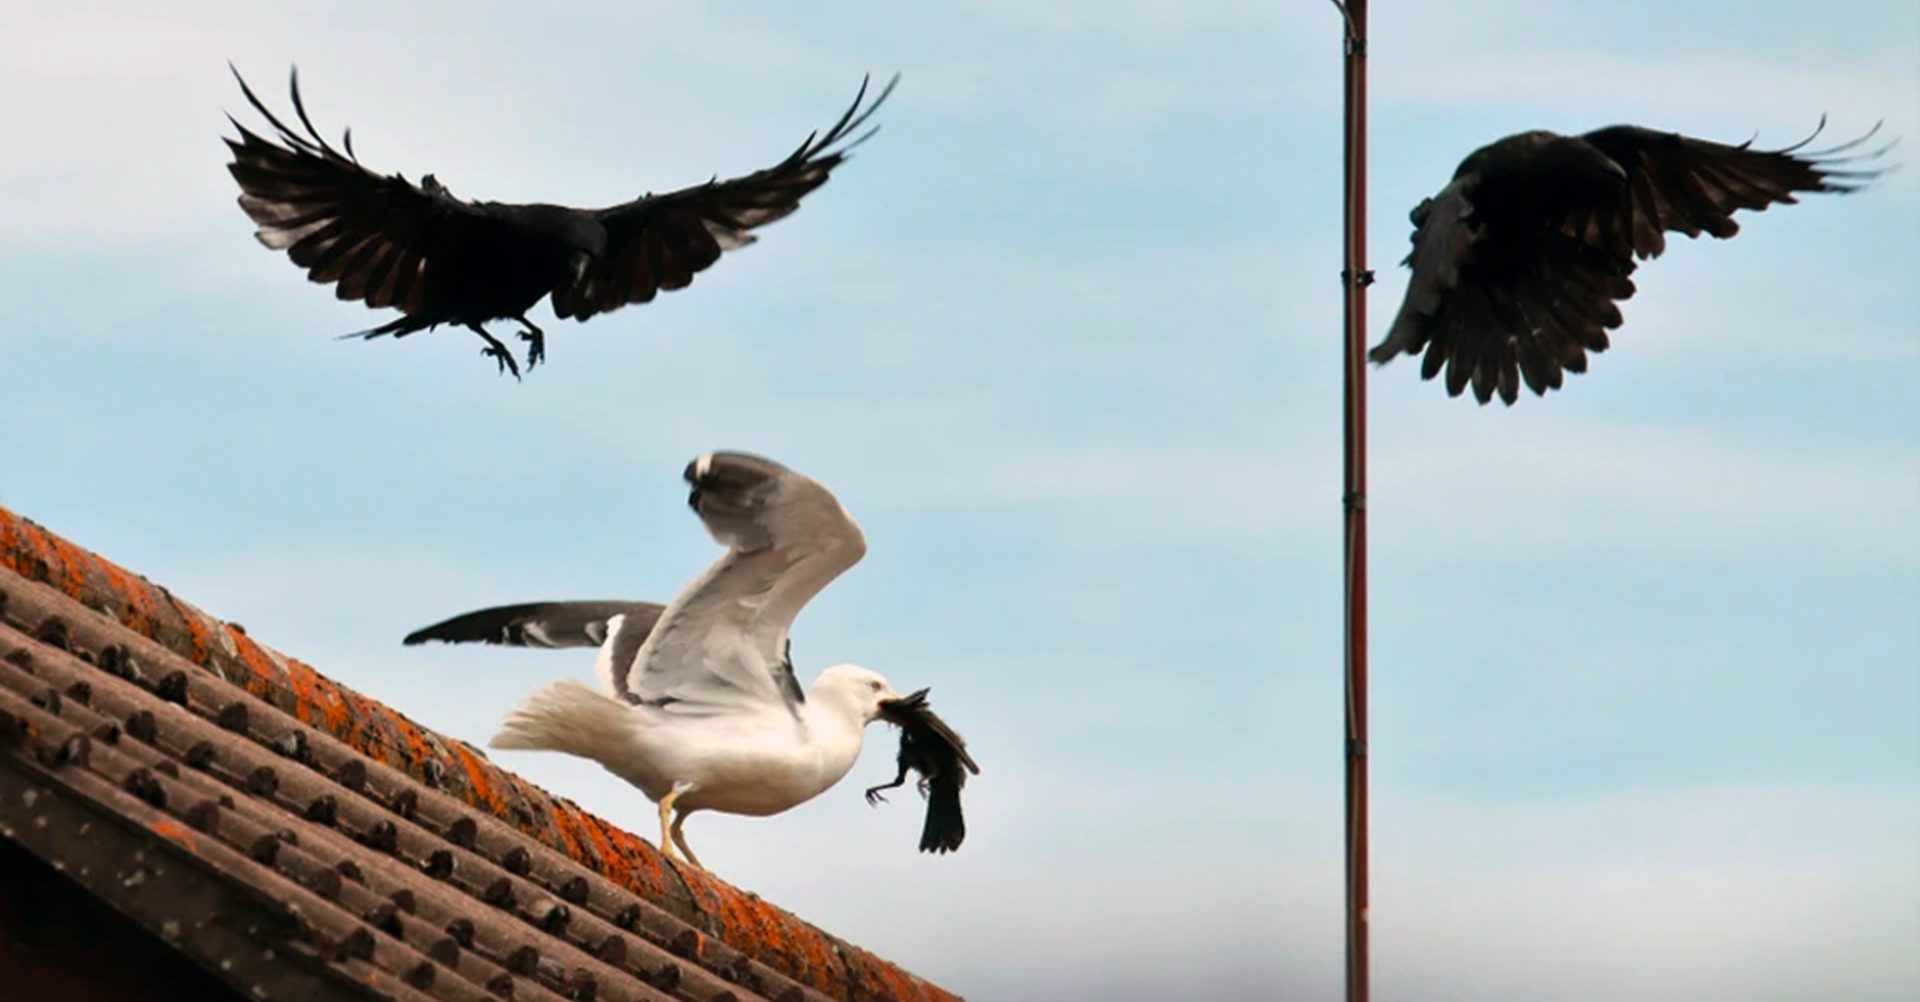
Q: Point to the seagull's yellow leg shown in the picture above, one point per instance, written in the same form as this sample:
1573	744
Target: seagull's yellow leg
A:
680	839
670	832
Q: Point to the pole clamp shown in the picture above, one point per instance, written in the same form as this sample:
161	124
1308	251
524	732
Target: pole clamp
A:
1366	277
1354	501
1356	748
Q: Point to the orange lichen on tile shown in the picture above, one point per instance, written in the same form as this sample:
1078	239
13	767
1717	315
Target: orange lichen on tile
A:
316	699
879	979
199	633
613	863
10	543
372	728
417	747
560	819
71	561
646	868
137	612
749	924
263	678
174	832
482	792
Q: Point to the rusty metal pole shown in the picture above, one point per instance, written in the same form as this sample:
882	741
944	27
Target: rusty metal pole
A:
1354	279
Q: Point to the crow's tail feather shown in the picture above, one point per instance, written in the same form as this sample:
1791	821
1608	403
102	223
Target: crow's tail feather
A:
946	828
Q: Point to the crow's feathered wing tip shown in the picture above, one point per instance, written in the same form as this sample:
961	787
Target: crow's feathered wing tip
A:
399	328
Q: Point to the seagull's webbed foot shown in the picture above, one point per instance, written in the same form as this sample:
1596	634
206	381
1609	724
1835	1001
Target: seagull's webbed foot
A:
497	351
536	342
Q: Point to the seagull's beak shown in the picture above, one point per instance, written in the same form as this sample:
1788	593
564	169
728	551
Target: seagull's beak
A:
897	709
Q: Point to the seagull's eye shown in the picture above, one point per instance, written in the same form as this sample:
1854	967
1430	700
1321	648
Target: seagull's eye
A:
875	685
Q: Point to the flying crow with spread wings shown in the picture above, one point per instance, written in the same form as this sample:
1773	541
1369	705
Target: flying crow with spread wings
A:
698	705
1519	262
439	259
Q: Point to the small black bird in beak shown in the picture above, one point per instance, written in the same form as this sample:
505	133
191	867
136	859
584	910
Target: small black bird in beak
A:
934	750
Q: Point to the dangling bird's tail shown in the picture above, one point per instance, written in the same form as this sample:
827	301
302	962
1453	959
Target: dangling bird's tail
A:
568	716
945	828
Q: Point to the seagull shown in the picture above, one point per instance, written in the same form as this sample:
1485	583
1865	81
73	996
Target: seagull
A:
440	259
697	703
1518	262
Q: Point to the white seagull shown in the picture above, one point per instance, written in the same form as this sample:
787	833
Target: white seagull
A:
697	703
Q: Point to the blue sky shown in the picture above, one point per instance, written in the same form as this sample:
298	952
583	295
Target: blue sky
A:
1064	338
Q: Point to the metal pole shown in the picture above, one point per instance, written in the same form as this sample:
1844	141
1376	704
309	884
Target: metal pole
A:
1354	279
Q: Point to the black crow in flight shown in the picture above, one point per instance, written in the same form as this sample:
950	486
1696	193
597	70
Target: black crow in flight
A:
444	260
1518	262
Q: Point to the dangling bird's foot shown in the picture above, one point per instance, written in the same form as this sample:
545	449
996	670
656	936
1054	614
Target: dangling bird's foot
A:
536	348
536	340
874	797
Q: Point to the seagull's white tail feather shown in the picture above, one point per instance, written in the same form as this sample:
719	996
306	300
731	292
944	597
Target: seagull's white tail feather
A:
568	716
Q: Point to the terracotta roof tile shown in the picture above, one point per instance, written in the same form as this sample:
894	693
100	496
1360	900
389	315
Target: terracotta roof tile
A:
299	839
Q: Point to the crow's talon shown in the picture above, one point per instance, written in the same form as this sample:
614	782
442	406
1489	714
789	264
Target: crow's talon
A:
503	360
536	340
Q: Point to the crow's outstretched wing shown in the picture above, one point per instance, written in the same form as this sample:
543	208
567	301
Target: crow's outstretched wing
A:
377	239
661	241
1520	261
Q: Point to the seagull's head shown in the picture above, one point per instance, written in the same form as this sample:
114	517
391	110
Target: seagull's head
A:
854	689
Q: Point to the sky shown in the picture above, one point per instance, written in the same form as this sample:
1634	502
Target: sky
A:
1064	338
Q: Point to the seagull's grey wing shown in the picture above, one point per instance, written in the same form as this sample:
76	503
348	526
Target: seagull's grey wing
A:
541	624
723	641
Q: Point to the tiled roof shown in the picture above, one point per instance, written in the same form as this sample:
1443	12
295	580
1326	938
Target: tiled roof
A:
303	841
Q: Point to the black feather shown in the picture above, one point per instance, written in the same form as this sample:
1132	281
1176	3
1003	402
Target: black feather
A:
1527	282
931	748
442	260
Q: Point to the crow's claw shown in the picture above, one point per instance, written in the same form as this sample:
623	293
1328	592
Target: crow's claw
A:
536	340
502	359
